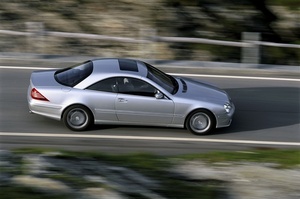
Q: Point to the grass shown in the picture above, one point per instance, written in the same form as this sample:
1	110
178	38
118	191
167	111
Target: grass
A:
293	4
145	161
73	181
18	192
285	158
156	167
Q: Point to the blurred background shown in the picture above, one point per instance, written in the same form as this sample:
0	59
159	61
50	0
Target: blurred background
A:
213	30
235	31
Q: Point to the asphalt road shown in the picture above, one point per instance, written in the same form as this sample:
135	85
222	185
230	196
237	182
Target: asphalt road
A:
267	113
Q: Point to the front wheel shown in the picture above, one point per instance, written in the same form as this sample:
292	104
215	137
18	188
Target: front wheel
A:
200	122
77	118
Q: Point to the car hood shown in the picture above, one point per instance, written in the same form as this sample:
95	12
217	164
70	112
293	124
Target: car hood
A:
196	90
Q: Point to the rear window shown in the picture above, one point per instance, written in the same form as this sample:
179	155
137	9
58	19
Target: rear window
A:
74	75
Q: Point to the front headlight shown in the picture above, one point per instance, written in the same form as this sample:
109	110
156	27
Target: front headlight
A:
227	107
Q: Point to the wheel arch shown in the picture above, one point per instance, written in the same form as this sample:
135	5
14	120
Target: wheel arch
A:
77	104
200	109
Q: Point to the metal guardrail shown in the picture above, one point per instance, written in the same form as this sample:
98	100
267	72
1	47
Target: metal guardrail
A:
263	43
150	39
203	41
17	33
250	44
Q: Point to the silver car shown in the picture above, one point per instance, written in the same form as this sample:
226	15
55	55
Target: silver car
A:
127	92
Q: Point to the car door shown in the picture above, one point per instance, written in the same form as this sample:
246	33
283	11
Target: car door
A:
102	96
136	103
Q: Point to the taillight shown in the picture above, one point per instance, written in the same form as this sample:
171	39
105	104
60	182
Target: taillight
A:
35	94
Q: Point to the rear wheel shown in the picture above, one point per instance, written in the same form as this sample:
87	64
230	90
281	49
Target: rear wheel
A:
77	118
200	122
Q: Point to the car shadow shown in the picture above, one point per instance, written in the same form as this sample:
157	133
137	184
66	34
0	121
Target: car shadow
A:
263	108
136	128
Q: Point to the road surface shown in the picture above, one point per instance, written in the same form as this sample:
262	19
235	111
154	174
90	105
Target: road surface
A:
267	116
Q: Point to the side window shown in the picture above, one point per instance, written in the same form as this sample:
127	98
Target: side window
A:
134	86
107	85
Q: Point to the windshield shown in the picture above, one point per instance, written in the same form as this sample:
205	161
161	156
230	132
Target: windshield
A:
73	75
166	81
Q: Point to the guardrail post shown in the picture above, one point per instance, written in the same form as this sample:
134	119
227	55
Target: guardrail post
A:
251	55
35	41
148	50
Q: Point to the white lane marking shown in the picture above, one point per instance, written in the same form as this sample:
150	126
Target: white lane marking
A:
176	74
149	138
26	68
237	77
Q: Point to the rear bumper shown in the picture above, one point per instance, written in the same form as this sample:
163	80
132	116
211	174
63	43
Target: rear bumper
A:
44	109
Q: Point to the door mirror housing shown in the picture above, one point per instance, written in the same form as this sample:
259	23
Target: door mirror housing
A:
159	95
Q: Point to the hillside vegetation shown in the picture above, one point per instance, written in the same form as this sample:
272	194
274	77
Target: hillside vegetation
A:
211	19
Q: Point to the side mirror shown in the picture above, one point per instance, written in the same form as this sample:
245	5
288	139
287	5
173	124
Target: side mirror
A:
159	95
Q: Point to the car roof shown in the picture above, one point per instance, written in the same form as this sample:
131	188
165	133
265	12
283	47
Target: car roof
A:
114	67
119	66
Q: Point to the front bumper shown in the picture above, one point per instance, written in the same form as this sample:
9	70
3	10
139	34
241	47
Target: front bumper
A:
224	119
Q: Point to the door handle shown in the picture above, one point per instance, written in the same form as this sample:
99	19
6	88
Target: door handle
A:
122	100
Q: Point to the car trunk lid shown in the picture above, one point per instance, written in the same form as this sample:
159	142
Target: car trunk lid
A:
43	78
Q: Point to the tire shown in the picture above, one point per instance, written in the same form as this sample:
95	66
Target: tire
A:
200	122
77	118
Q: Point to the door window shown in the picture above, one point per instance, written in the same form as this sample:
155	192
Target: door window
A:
107	85
133	86
125	85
